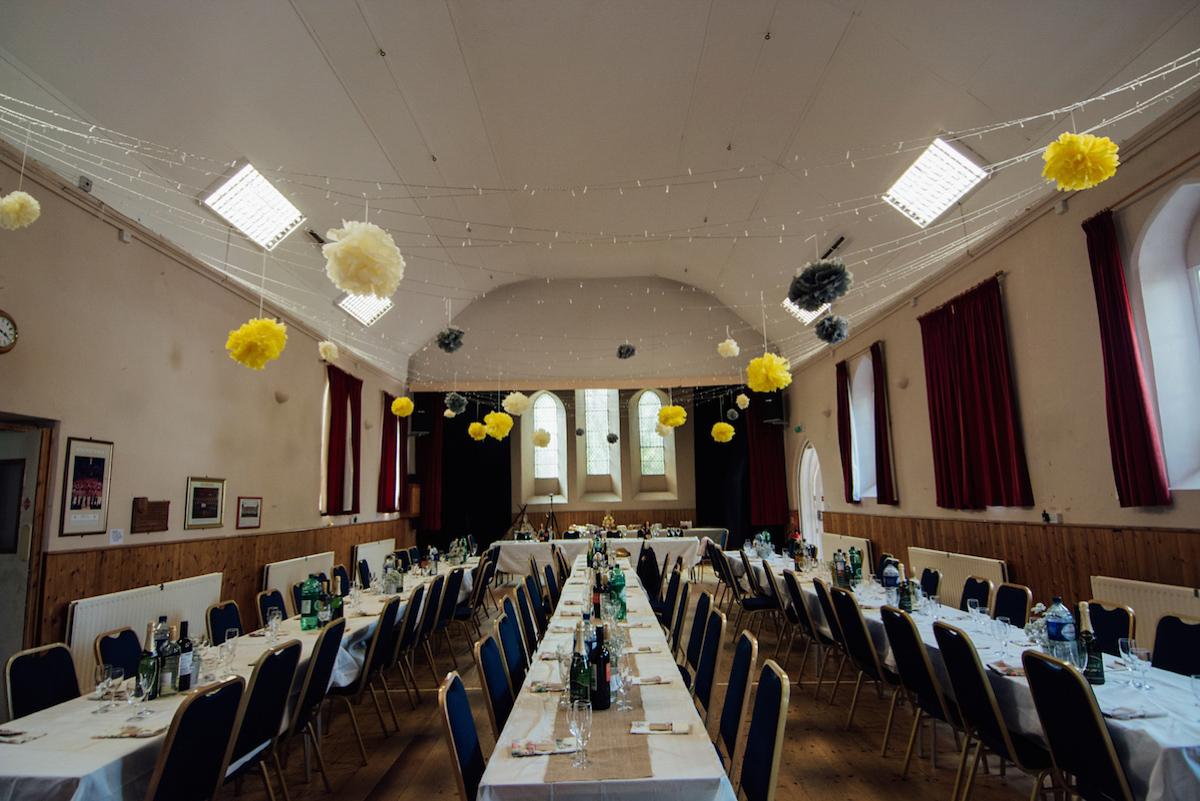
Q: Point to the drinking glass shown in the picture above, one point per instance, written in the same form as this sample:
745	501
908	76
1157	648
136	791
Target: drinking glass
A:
580	722
984	619
625	674
116	680
1078	653
563	652
1125	646
1141	663
274	618
1003	631
101	675
225	657
200	650
935	606
973	610
137	697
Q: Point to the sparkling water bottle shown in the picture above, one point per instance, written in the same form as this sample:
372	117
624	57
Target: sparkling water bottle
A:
1060	630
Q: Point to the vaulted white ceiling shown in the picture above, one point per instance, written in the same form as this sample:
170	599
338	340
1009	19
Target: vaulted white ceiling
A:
566	176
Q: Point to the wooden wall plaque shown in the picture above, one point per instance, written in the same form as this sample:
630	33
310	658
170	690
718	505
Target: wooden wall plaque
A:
149	516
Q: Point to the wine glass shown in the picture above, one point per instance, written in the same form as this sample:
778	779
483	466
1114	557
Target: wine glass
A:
1078	653
101	675
137	696
1125	646
225	656
973	610
580	722
1002	630
935	606
984	620
1141	663
563	653
625	674
274	618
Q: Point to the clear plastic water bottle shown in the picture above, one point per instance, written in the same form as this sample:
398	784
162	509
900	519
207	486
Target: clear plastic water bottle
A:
891	583
1060	630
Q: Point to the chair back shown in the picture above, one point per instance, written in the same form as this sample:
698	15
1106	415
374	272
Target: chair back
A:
564	569
265	701
222	617
378	650
857	639
552	585
737	694
410	625
978	588
433	602
1177	644
1013	601
297	597
120	648
1075	731
884	558
533	595
913	665
414	555
461	736
751	577
648	573
195	753
535	573
39	678
267	600
771	591
668	602
318	675
529	629
1110	622
339	571
677	618
710	660
508	632
449	598
364	574
931	581
489	661
791	582
764	743
827	609
402	558
691	657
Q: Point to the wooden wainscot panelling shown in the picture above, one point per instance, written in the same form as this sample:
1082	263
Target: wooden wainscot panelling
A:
80	574
1052	559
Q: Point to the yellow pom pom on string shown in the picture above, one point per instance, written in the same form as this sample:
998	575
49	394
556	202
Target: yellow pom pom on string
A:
477	431
672	416
722	432
257	342
497	424
768	373
402	407
1080	161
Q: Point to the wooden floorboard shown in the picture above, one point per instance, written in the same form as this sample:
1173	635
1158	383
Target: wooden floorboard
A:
821	761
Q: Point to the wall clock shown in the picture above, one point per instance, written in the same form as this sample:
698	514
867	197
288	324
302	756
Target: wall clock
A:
8	332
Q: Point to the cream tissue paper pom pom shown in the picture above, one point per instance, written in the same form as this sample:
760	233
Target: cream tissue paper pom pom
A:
728	349
661	429
18	209
741	400
363	259
541	438
328	350
516	403
449	414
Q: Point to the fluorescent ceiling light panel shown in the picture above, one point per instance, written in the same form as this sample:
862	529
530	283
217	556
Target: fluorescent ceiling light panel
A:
249	203
367	309
800	314
934	183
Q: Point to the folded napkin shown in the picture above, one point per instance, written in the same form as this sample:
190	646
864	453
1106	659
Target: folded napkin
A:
570	613
1005	669
562	745
572	603
1128	713
545	687
131	731
561	629
642	681
548	656
643	649
639	626
669	727
13	737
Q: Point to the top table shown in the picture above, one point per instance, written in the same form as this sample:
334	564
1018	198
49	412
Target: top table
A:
514	554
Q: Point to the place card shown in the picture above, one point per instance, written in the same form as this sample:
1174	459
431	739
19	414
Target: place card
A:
1128	713
17	737
556	629
131	731
572	603
669	727
548	656
645	681
560	745
545	687
642	649
1005	669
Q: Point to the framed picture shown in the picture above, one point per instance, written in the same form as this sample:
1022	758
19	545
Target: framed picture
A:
205	503
86	485
249	512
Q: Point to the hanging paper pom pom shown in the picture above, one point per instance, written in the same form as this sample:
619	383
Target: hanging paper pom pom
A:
450	339
449	414
820	282
257	342
363	259
742	400
728	349
832	329
516	403
579	432
722	432
456	403
402	407
477	431
731	415
612	438
673	416
661	430
18	209
328	350
498	424
626	351
1080	161
541	438
768	373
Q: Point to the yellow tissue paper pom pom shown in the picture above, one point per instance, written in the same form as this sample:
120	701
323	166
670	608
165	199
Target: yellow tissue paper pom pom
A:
1080	161
477	431
722	432
257	342
497	424
18	209
402	407
768	373
673	416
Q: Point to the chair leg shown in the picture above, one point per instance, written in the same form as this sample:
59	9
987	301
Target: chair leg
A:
912	739
279	774
837	679
450	647
262	767
887	729
854	700
311	737
387	694
969	778
429	658
362	749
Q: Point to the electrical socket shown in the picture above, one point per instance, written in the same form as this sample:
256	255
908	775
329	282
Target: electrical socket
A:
85	183
1054	517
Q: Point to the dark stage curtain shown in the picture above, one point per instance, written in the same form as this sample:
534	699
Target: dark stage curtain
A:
393	460
722	468
842	377
1137	460
429	461
767	465
476	482
885	478
345	417
978	452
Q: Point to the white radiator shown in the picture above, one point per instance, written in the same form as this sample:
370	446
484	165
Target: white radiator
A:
374	553
186	599
282	575
1149	602
830	543
955	567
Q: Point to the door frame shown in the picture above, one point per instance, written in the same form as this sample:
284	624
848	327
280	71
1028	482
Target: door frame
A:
36	579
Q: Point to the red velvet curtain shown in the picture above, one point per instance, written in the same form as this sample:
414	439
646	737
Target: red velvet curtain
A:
345	418
767	465
978	452
429	463
393	460
885	479
1137	459
842	377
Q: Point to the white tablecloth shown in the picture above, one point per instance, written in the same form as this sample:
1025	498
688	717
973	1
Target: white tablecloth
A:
685	767
514	554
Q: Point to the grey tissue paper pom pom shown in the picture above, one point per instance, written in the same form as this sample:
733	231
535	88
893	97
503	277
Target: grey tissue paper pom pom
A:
731	415
612	438
832	329
450	339
820	282
626	351
579	432
456	403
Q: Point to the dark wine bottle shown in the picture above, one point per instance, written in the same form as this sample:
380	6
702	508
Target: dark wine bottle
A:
148	666
323	609
168	664
600	664
185	658
335	599
1094	669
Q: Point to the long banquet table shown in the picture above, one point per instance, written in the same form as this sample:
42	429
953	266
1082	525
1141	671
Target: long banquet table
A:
683	767
514	554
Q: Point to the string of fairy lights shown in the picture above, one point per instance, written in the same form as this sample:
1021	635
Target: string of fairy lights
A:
130	170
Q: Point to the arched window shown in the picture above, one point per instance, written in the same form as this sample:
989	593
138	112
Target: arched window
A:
598	462
651	451
544	470
652	462
545	417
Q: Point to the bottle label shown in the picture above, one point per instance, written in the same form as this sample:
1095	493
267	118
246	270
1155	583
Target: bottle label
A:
185	664
305	607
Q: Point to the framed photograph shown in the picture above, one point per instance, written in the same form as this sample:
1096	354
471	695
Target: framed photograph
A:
249	513
86	484
205	503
